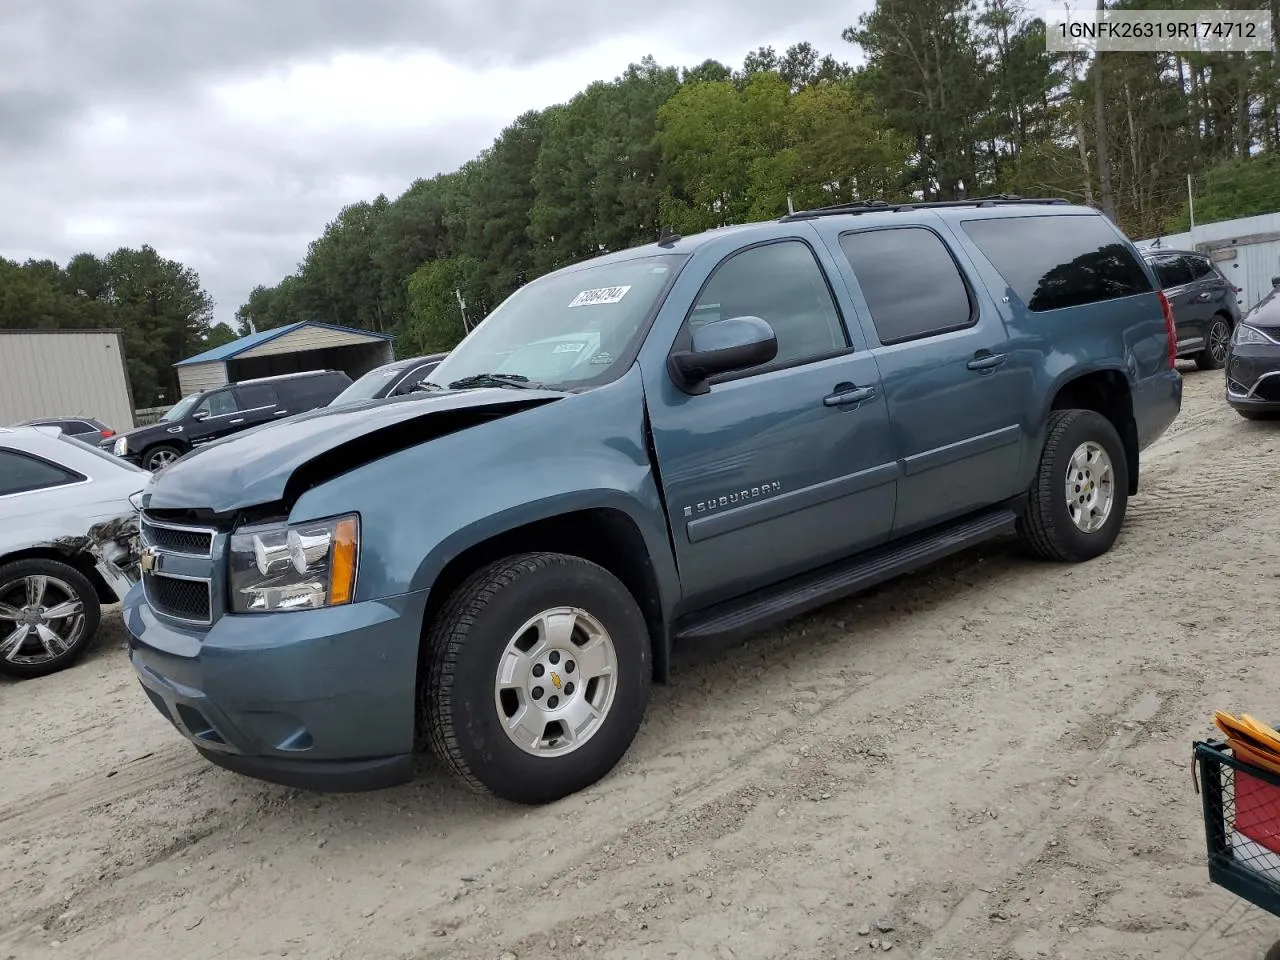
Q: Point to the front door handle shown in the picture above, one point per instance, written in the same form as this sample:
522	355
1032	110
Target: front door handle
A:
1202	297
235	422
847	393
986	361
281	413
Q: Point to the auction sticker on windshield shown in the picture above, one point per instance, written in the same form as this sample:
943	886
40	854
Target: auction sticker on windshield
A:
600	295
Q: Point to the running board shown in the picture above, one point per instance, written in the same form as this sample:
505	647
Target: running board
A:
736	618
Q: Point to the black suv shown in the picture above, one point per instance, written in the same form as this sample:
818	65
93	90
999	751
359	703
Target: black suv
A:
1205	311
201	418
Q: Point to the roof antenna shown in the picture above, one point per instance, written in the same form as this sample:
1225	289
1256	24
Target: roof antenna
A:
667	237
790	209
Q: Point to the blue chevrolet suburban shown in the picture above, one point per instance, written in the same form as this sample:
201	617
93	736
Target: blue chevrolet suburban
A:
689	440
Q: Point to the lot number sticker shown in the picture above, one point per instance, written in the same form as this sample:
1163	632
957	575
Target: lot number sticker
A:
601	295
569	347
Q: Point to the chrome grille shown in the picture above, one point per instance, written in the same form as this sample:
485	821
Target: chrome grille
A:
192	541
178	570
187	600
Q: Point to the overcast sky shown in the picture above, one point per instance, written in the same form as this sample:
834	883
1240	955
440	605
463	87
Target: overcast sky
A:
226	133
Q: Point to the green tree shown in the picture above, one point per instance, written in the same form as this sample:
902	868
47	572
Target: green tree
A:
437	322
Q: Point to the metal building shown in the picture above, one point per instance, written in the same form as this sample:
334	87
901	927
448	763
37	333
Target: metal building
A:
64	373
1246	249
289	349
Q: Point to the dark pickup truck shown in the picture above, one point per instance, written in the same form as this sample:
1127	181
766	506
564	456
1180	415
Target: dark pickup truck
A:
685	441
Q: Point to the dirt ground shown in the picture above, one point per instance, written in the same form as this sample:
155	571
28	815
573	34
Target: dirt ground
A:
988	760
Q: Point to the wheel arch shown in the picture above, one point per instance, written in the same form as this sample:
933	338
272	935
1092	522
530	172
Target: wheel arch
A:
1105	392
81	562
605	535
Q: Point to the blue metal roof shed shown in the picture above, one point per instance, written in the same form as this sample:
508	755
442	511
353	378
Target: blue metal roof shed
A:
306	345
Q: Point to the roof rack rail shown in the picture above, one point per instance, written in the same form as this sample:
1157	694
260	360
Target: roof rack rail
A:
880	206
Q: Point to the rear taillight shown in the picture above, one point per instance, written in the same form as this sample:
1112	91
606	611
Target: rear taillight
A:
1170	329
108	433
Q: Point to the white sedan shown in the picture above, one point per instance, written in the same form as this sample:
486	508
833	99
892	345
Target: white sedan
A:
68	542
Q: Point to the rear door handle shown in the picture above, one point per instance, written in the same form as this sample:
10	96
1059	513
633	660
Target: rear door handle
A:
234	422
1203	296
987	361
847	393
281	413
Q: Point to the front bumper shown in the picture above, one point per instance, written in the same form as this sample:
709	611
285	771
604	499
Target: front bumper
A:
316	699
1253	377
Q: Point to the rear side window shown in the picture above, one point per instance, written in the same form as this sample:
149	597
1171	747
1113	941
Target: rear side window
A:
257	395
1201	268
312	391
20	473
911	283
1172	271
1056	262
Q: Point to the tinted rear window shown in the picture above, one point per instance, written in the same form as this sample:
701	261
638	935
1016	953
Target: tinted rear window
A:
1172	271
912	285
1056	262
256	395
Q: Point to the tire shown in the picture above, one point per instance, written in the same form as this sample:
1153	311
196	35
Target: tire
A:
463	714
159	456
1273	953
1046	526
64	584
1214	355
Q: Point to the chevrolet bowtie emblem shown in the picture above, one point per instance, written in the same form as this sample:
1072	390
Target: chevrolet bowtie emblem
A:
148	559
555	679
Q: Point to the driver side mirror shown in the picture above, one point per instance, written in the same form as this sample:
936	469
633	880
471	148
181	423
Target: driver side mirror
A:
723	346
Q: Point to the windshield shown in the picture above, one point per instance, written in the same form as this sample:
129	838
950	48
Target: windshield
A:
564	329
181	408
368	385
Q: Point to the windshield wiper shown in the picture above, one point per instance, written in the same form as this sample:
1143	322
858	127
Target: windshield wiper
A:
494	380
424	386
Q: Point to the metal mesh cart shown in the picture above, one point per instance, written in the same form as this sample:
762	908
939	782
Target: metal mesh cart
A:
1241	805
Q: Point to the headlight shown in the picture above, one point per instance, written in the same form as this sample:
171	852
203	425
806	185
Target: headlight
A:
303	566
120	447
1246	334
135	501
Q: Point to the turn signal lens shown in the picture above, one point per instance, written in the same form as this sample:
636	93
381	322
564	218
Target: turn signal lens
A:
342	569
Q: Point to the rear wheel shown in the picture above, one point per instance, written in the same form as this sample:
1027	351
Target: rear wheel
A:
1214	354
1078	499
536	678
48	617
161	456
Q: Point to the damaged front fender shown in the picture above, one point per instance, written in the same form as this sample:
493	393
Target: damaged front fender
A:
113	545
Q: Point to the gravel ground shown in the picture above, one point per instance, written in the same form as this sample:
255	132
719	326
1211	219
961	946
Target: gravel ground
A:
987	760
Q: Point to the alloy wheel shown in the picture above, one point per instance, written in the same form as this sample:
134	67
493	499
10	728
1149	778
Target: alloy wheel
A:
41	618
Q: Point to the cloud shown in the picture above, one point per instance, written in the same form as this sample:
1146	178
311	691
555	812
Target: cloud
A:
227	133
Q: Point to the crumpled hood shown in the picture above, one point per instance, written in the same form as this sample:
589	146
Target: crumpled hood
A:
255	467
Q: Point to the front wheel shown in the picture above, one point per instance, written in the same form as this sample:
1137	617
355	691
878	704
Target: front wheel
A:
159	457
536	677
1081	490
1214	354
48	617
